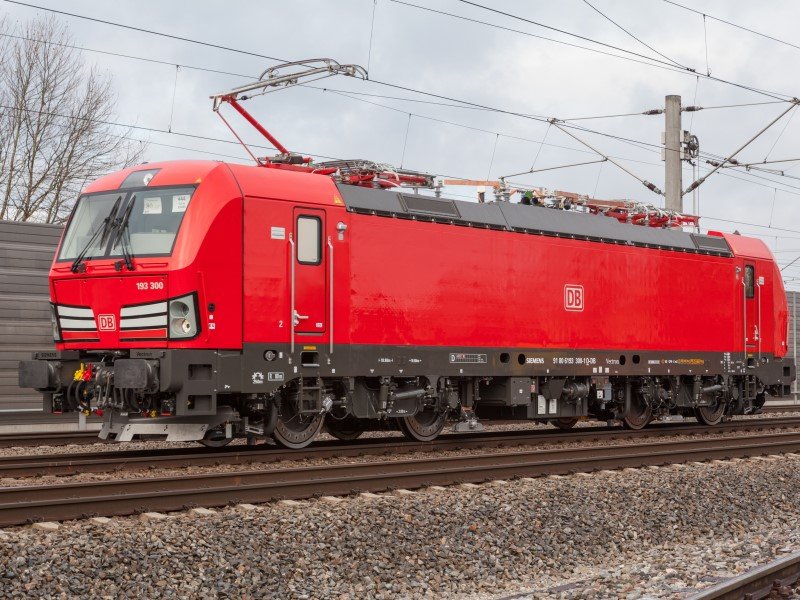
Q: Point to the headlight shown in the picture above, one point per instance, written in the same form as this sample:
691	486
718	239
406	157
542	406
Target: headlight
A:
182	317
54	321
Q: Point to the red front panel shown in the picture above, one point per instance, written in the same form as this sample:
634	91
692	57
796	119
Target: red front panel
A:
429	284
206	261
105	296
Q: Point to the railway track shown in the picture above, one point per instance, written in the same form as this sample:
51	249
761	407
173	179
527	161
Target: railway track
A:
130	460
19	505
777	577
63	438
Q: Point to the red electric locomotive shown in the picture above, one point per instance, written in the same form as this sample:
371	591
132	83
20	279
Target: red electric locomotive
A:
206	301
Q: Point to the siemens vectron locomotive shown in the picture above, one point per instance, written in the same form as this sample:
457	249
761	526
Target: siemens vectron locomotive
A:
206	301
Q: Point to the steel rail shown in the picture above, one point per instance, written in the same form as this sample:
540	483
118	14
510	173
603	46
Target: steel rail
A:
760	582
106	461
24	504
48	438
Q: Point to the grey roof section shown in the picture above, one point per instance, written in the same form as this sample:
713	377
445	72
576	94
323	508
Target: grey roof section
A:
524	218
710	242
359	197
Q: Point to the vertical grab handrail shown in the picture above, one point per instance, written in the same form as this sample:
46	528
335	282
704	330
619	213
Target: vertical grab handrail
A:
330	300
744	314
758	285
291	295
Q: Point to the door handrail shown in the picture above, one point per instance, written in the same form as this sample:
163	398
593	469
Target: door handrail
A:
758	285
291	294
744	313
330	300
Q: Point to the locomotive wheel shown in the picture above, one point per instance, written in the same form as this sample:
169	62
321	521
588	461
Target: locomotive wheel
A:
209	442
710	415
423	426
564	422
294	430
343	431
215	438
639	415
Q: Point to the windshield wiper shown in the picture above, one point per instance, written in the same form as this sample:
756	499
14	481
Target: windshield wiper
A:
105	229
124	237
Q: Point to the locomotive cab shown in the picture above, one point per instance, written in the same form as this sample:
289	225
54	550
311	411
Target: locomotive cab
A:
145	288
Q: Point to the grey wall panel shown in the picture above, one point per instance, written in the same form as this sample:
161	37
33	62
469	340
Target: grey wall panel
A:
27	308
26	256
15	402
23	282
26	252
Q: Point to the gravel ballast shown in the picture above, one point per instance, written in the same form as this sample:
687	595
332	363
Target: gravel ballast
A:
655	532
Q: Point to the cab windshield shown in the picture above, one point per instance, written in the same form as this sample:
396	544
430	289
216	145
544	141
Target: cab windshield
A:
152	225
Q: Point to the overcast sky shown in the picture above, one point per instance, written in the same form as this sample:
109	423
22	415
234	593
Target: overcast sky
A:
469	61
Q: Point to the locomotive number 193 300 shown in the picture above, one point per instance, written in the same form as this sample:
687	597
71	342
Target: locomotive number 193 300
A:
149	285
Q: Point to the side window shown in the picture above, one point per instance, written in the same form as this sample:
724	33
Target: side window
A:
749	281
309	240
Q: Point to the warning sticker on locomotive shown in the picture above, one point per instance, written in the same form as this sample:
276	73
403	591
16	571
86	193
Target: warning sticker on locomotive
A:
180	202
277	233
152	206
468	358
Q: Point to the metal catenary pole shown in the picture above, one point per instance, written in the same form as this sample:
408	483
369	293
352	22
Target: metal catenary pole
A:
672	154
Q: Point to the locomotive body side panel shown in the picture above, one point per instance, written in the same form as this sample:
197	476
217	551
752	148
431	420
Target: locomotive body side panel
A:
428	284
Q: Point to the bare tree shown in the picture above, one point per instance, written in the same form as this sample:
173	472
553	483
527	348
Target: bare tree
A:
56	131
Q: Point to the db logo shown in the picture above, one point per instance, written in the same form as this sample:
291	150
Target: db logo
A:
106	323
573	297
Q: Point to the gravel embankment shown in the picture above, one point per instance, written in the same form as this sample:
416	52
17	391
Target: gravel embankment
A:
655	533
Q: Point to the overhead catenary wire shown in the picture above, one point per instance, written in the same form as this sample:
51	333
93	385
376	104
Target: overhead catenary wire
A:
405	140
533	35
659	64
732	24
383	83
145	30
692	71
705	40
542	170
650	186
642	42
698	182
453	103
780	135
157	130
371	31
541	142
775	95
790	264
351	93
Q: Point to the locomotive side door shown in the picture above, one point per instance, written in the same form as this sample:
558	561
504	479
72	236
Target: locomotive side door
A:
750	318
309	258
